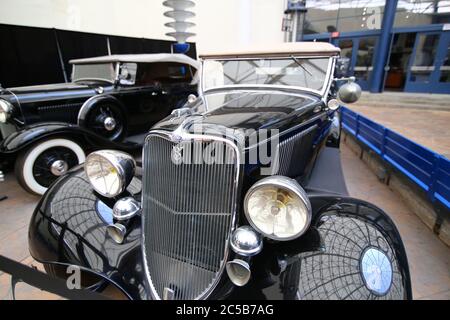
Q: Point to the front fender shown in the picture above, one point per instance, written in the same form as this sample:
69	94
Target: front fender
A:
315	270
31	134
69	226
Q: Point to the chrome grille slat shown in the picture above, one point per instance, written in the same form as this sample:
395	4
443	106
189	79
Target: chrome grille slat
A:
286	149
188	213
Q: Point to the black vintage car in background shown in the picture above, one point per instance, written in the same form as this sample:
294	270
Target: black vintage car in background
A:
110	103
203	220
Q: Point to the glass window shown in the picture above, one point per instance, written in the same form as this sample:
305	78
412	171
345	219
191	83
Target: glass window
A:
346	46
298	72
163	73
364	59
423	64
343	15
421	12
93	72
445	68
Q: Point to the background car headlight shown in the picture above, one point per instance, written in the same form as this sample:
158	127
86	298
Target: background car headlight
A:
278	207
109	172
5	110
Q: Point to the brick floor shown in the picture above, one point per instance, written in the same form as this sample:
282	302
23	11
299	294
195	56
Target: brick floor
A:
430	128
429	258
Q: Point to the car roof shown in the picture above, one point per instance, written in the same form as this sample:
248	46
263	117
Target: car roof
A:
140	58
279	49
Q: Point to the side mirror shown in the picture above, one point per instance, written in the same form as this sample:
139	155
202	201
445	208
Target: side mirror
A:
349	92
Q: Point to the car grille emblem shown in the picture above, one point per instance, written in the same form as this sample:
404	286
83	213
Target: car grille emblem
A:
177	154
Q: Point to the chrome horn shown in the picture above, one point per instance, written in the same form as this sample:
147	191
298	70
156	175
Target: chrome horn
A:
117	232
239	271
246	243
123	210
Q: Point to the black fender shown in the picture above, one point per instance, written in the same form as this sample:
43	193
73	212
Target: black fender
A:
278	268
100	99
69	227
21	139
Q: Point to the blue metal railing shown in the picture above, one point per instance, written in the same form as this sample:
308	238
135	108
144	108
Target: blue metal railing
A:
429	170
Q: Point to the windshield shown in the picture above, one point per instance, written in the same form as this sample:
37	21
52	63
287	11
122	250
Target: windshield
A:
304	73
94	71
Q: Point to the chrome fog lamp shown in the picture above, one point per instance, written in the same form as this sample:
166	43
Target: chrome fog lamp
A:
246	242
6	109
109	172
117	232
278	208
125	208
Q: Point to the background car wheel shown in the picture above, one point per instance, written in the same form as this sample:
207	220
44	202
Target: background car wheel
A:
40	165
359	261
107	120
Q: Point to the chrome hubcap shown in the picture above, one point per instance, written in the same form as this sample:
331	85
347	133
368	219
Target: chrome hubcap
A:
376	270
59	167
109	124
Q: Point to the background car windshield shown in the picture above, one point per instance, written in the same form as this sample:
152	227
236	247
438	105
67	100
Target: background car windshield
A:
298	72
100	71
163	73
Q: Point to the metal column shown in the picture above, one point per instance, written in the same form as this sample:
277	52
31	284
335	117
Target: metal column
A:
382	52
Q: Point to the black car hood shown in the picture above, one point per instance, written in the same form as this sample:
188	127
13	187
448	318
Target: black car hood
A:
246	110
46	92
47	88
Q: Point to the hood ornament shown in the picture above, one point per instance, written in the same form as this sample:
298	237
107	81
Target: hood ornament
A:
181	131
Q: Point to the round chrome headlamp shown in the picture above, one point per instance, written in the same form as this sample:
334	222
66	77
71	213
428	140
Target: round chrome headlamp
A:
6	109
109	172
278	208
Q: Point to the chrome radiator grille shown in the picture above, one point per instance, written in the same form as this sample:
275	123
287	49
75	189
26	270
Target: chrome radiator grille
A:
188	212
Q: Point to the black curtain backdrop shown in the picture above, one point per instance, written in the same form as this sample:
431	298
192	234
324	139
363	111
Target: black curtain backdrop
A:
29	56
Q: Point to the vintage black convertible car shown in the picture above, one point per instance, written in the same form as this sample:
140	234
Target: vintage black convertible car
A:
240	195
110	103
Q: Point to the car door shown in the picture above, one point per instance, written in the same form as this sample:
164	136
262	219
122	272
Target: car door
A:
157	90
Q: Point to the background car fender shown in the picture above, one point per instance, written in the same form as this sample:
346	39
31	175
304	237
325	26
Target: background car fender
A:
31	134
92	101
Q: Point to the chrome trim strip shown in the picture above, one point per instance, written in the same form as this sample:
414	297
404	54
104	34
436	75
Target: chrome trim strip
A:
179	136
84	106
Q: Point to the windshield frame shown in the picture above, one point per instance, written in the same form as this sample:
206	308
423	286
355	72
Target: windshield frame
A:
115	67
321	93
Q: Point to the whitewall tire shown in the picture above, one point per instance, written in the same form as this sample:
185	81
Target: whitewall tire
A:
45	161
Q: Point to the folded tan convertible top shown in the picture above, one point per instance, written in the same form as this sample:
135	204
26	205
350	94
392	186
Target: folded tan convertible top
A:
279	49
